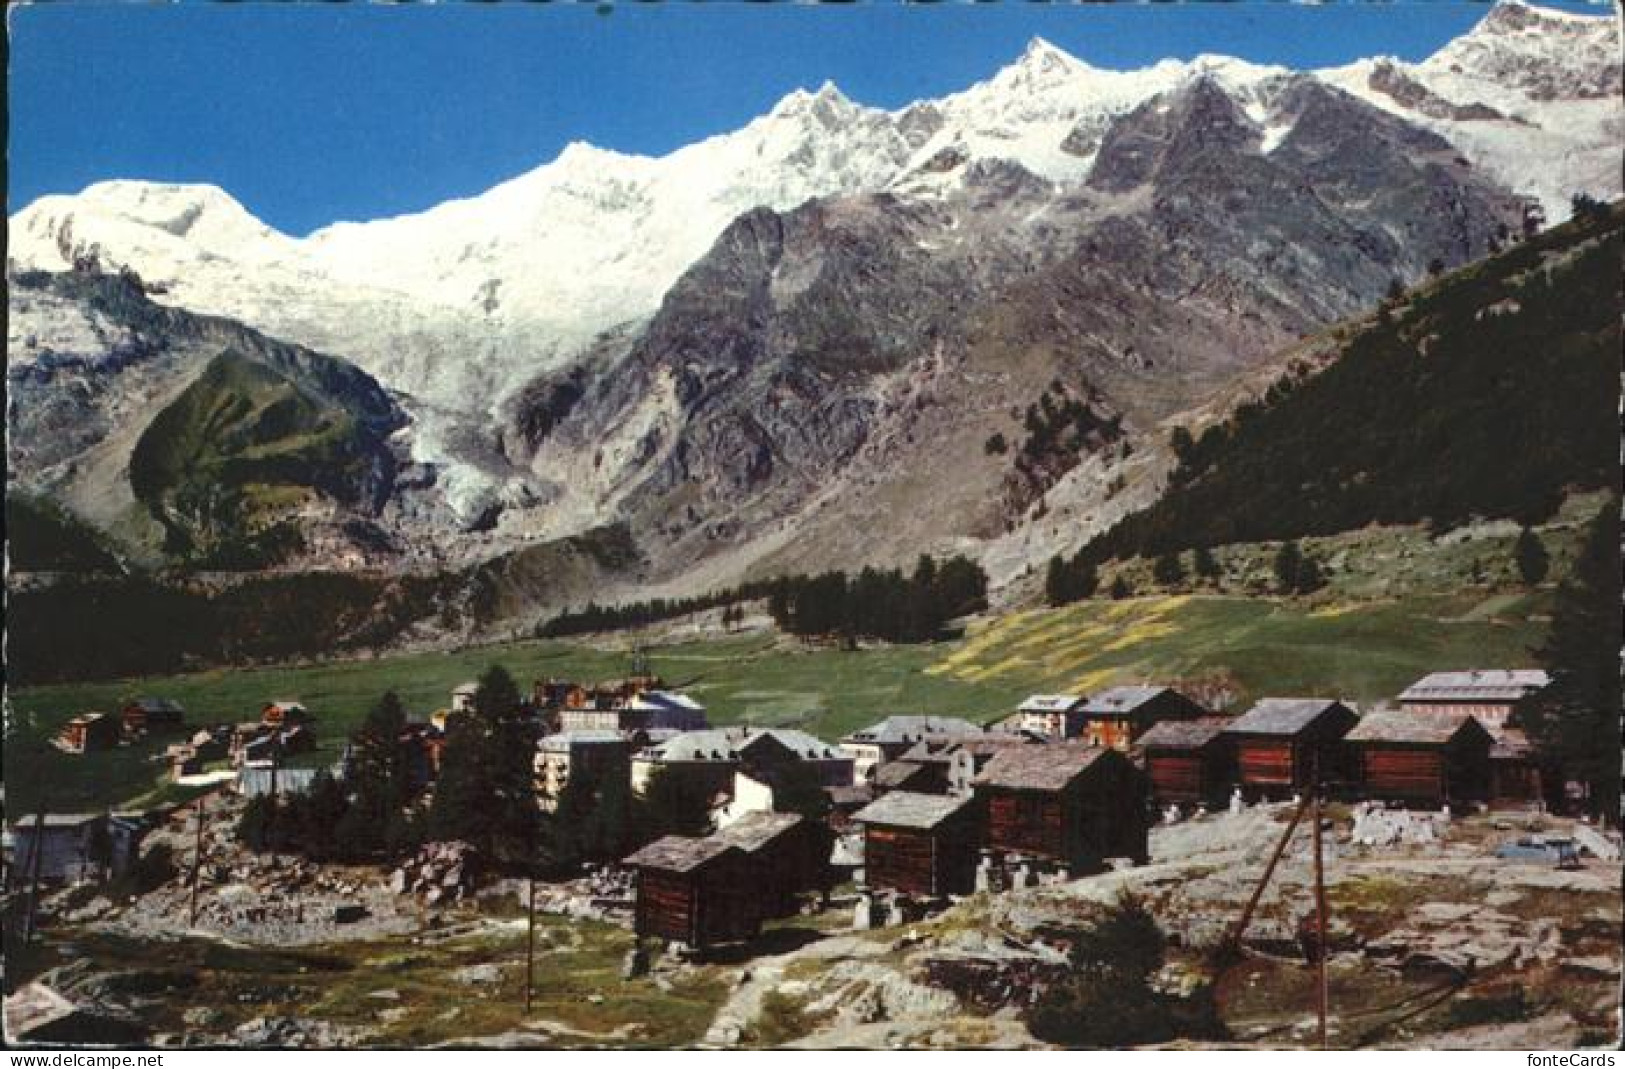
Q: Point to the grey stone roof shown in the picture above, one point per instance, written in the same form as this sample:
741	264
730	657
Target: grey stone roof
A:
1484	685
677	853
1183	734
712	744
804	746
904	729
895	774
563	741
905	809
1429	729
1120	701
1281	716
1039	768
755	830
157	705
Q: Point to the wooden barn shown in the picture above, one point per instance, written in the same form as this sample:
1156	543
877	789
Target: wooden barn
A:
1118	716
1189	762
1068	803
1279	740
790	854
141	715
700	892
921	844
88	732
1429	760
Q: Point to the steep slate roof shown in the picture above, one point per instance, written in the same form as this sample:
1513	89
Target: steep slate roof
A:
804	746
1184	734
1429	730
755	830
895	774
712	744
858	795
1050	703
1281	716
905	809
939	750
678	853
1120	701
900	729
563	741
1039	768
1485	685
469	688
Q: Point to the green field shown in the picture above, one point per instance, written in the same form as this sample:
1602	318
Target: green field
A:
1362	650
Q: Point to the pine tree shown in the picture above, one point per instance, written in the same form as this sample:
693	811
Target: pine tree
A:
1206	567
1576	724
1121	589
1530	554
1167	570
1288	562
670	805
378	776
1056	587
486	793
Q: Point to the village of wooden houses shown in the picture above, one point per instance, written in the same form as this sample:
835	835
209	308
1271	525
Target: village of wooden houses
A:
815	888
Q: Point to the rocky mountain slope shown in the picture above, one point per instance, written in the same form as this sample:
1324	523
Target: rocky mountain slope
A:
191	438
792	345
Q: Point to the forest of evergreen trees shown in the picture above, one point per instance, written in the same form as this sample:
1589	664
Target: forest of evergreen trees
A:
1489	395
880	604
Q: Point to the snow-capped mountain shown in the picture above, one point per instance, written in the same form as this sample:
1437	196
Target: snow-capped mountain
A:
460	308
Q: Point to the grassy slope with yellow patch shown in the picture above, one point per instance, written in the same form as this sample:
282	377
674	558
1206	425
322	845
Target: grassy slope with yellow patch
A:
1363	650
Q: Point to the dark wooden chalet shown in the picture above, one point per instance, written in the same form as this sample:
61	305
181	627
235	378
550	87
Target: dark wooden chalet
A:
89	731
1279	740
1427	759
1118	716
141	715
921	844
790	854
1189	762
695	891
1068	803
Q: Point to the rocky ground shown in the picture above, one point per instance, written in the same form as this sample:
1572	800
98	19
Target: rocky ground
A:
1436	944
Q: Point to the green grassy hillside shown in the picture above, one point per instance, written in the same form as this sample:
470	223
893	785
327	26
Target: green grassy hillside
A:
225	466
1249	646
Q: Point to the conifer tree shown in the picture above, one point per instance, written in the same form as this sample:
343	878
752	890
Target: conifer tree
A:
1530	554
1576	723
378	778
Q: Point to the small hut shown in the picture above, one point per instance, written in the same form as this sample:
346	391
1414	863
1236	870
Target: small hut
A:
699	892
1430	759
1189	762
920	844
1070	804
1516	777
141	715
1280	740
790	854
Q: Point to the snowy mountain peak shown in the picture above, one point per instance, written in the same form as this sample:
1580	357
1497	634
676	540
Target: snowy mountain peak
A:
1041	57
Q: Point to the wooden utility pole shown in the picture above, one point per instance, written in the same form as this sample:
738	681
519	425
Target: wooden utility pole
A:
36	859
197	863
1320	915
1234	939
530	940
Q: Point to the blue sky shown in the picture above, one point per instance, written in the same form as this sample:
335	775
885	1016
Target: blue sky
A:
308	113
